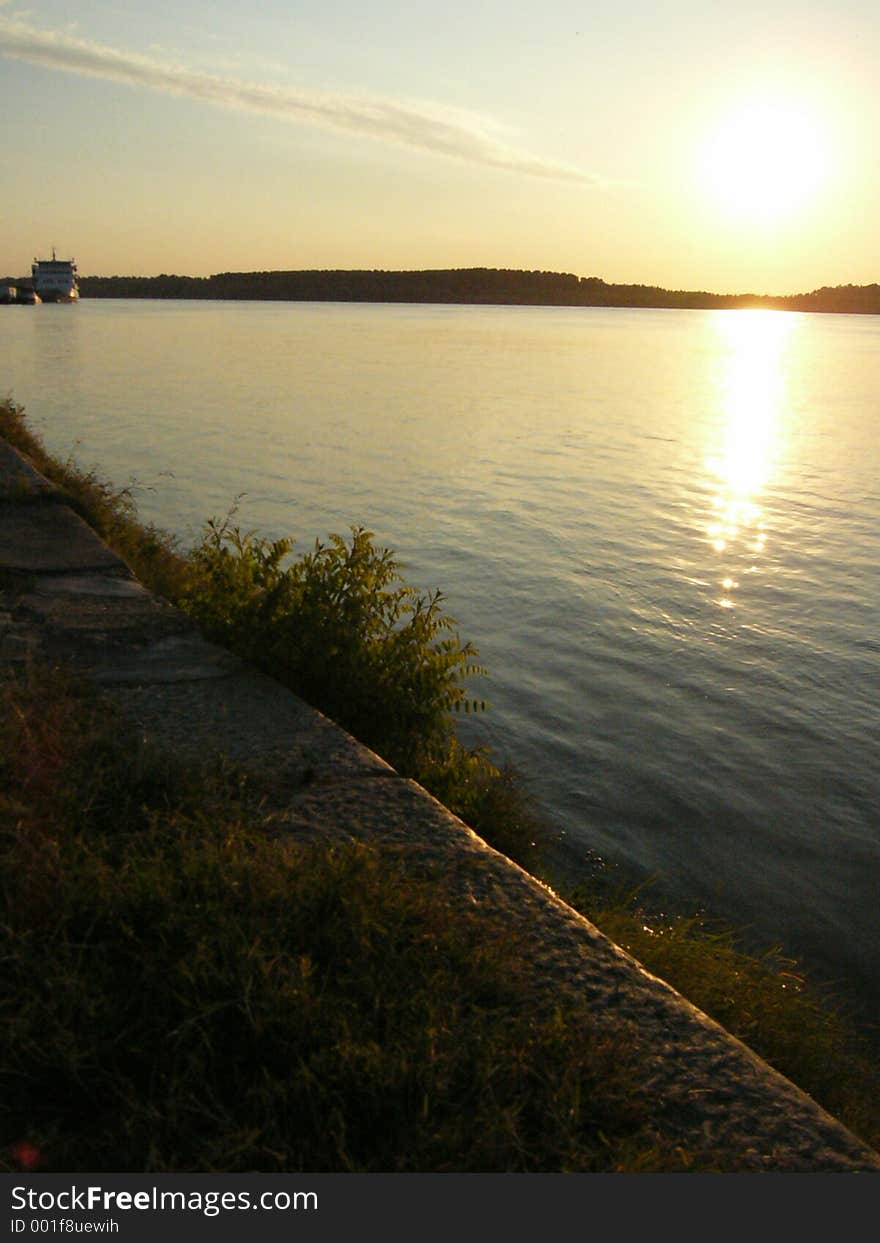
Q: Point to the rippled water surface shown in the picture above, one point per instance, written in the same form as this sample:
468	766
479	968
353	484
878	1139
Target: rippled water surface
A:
661	528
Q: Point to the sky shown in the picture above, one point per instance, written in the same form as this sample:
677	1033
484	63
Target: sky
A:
691	144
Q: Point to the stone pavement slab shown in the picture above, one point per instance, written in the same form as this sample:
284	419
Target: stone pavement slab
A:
101	585
19	480
252	720
45	537
102	622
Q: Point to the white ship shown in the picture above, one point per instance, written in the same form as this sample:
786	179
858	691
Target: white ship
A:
55	279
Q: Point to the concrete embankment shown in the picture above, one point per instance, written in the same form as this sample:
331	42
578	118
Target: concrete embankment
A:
66	598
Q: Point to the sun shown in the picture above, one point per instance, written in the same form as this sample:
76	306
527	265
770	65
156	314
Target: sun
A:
765	160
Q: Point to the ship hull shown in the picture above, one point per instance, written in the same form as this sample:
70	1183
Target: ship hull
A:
55	279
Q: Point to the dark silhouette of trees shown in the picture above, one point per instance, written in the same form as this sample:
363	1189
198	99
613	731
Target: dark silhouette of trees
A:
487	286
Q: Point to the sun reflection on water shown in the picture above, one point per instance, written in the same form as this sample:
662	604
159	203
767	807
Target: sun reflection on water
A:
752	394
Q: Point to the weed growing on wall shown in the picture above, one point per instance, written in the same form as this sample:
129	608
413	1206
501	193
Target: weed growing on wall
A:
341	628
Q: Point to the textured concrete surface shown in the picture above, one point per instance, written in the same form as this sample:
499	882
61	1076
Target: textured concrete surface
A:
65	598
18	478
47	537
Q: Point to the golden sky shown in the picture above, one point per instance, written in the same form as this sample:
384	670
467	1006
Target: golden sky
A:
689	144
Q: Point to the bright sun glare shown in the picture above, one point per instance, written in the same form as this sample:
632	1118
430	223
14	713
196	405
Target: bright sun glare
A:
765	160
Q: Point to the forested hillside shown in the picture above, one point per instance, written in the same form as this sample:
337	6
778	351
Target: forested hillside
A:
463	285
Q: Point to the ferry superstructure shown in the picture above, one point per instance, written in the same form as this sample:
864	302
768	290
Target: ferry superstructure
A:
55	279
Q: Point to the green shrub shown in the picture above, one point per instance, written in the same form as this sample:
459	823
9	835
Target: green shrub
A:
340	627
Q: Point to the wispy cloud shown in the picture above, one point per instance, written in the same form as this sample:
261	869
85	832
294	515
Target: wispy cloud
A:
423	126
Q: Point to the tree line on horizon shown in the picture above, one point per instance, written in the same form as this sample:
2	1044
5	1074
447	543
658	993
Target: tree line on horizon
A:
498	286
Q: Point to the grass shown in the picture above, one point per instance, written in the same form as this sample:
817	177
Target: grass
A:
183	992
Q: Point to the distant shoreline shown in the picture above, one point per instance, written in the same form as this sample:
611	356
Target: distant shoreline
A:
480	286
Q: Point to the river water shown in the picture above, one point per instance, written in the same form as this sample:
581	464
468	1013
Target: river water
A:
660	528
